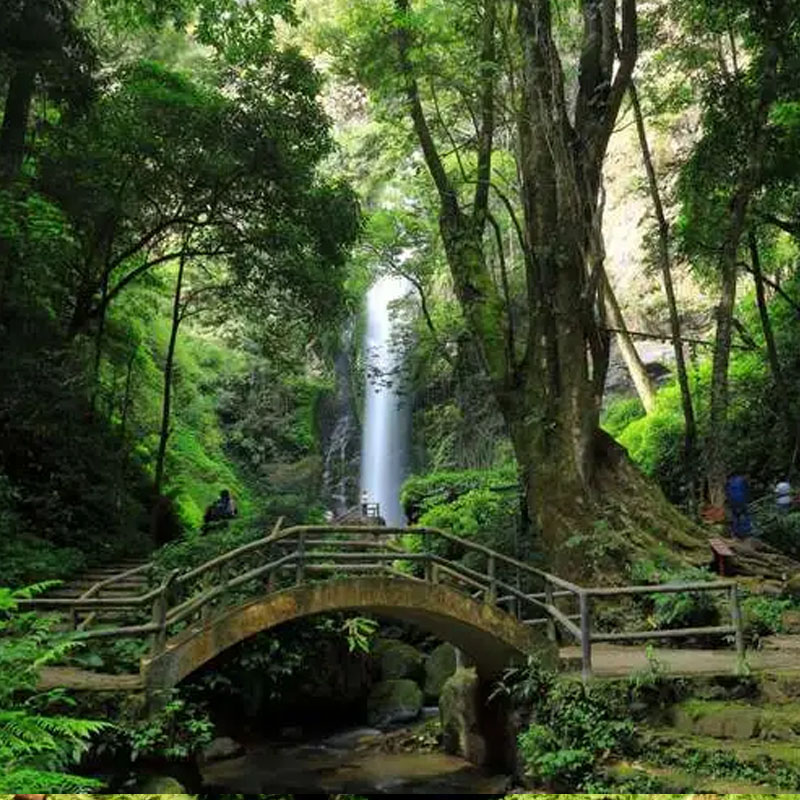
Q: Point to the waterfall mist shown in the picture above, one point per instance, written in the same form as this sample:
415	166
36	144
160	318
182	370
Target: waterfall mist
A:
387	415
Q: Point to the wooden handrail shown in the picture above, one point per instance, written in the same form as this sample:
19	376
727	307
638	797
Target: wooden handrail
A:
315	551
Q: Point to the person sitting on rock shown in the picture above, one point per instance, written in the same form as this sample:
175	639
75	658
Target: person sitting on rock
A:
223	508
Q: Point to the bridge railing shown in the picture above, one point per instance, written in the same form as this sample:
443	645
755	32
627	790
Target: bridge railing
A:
302	554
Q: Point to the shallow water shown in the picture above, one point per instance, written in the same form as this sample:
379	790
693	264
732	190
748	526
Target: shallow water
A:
347	762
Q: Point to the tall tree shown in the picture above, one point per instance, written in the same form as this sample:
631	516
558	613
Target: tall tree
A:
727	168
690	455
557	99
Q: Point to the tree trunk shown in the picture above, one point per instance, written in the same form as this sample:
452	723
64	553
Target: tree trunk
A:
716	448
645	387
665	262
165	409
98	342
15	121
784	399
549	394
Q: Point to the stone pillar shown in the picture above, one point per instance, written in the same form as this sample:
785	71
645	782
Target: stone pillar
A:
472	727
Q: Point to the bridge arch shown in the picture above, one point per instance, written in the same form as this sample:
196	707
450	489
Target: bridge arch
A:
489	636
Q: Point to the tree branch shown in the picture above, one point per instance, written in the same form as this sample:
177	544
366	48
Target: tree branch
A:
431	154
486	137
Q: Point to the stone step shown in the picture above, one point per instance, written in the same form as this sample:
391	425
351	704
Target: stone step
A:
738	720
777	761
111	591
678	781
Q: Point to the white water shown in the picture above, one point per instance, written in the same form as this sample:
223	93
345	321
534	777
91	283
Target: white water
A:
384	452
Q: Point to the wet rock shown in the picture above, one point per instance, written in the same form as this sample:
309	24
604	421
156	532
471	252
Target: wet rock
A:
348	739
398	659
459	709
221	748
439	666
391	701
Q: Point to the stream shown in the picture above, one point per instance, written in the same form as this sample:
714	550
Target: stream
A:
352	760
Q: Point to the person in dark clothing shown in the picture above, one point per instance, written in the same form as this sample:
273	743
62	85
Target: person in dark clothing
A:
222	508
737	494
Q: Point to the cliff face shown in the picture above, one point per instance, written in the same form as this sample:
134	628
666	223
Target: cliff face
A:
629	231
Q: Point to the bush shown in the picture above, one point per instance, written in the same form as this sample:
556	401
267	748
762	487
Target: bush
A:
574	727
680	610
762	614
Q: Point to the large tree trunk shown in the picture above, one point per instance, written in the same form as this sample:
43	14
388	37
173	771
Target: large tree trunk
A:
645	387
15	121
784	399
168	365
665	262
572	473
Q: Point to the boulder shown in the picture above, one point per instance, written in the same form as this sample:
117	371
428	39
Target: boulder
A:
439	666
793	586
398	659
459	712
398	700
790	621
223	747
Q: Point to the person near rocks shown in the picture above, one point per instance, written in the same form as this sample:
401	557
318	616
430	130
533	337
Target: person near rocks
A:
737	494
783	496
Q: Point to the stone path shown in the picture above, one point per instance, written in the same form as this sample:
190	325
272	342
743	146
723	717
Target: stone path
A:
617	661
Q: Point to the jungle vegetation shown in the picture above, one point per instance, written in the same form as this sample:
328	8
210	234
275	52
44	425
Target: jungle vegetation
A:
196	194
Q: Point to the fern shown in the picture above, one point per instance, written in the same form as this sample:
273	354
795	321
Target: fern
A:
37	748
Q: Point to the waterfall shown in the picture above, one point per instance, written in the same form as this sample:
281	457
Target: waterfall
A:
384	454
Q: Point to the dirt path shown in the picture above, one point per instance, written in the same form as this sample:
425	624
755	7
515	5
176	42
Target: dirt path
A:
778	653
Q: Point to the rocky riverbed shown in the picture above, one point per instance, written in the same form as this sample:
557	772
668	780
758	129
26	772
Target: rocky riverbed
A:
399	760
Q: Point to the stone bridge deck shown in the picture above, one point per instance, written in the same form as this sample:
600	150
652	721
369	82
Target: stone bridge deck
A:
780	654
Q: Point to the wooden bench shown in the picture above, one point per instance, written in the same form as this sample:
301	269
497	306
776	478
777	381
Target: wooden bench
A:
722	551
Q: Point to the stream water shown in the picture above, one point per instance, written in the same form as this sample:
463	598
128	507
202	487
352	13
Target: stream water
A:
348	761
384	455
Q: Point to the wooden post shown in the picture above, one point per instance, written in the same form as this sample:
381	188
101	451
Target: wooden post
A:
549	600
160	606
300	572
586	636
426	539
491	592
205	609
736	616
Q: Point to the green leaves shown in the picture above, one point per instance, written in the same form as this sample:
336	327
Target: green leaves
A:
36	747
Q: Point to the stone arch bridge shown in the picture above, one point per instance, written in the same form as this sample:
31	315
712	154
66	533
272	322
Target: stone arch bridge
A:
492	607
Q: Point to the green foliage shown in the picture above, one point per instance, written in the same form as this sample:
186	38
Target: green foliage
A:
574	727
182	728
37	744
620	413
761	615
681	609
359	632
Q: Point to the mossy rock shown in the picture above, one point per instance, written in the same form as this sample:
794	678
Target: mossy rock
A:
398	700
162	785
398	659
792	587
717	719
459	710
439	666
780	687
